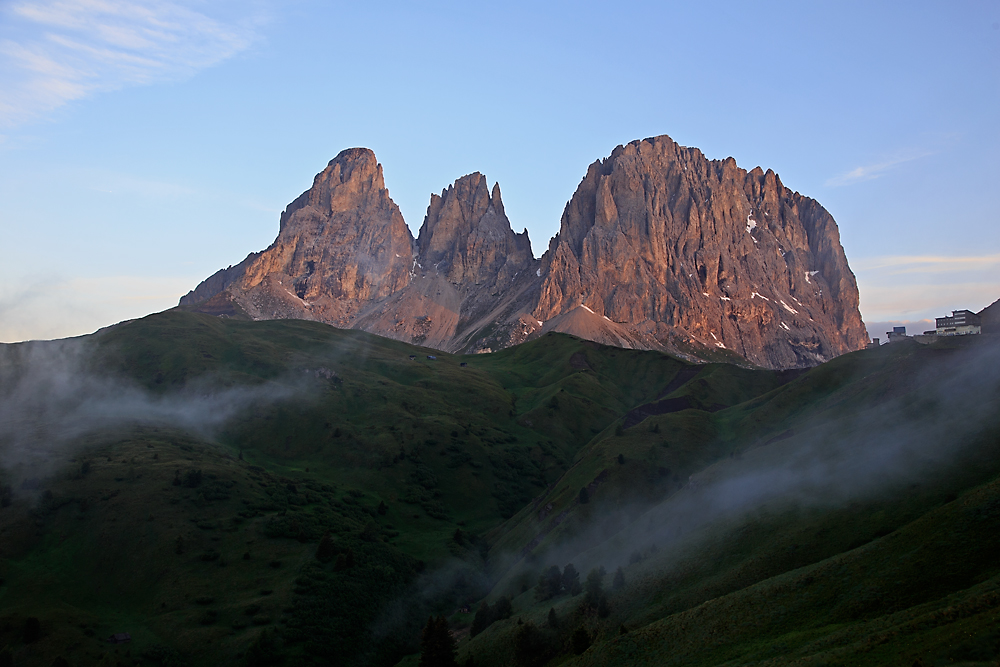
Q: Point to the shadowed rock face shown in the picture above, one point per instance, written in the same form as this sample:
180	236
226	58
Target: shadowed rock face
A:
466	235
471	272
659	248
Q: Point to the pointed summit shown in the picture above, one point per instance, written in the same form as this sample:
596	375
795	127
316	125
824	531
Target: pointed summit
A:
495	199
342	243
466	235
659	248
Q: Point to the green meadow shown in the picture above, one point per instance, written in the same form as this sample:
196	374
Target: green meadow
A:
285	492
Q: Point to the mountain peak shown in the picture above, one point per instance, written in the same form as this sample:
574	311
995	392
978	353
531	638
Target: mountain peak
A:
663	248
466	235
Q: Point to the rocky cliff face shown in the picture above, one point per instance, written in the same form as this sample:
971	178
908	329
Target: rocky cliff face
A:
659	248
684	250
343	243
471	272
467	237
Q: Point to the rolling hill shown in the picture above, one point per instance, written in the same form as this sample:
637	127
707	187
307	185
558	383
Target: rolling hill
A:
237	492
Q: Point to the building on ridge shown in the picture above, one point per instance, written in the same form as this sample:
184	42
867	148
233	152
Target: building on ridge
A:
960	323
897	333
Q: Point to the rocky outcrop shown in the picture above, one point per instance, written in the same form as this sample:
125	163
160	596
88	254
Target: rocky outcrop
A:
472	272
342	243
659	248
467	237
689	251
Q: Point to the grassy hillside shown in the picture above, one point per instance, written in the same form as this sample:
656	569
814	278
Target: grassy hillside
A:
854	499
328	425
235	492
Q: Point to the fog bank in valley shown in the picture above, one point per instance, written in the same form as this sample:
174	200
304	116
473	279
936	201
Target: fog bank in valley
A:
50	398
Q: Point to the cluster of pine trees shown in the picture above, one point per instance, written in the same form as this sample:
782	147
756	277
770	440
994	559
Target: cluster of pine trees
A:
486	615
535	645
552	583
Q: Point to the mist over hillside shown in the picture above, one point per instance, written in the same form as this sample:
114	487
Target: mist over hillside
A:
234	492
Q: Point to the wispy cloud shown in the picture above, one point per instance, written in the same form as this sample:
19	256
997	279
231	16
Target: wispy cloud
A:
56	51
873	171
900	264
916	287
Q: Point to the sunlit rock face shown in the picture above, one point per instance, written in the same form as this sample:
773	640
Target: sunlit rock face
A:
342	244
659	248
685	249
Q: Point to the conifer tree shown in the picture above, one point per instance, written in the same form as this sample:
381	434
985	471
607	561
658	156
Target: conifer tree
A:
370	532
326	549
345	561
482	620
595	589
529	646
619	579
571	580
553	619
437	646
502	609
603	609
262	651
580	640
549	584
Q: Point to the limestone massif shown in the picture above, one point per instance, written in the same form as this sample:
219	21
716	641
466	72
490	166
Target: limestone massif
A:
659	248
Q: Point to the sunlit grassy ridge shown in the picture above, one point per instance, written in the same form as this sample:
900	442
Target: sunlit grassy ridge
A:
437	484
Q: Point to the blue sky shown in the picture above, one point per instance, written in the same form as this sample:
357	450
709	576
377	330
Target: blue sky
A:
144	145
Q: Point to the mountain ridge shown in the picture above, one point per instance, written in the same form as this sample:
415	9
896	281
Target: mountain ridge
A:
659	248
875	502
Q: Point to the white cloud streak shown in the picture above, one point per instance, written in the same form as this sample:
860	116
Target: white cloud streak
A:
56	51
872	171
900	264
